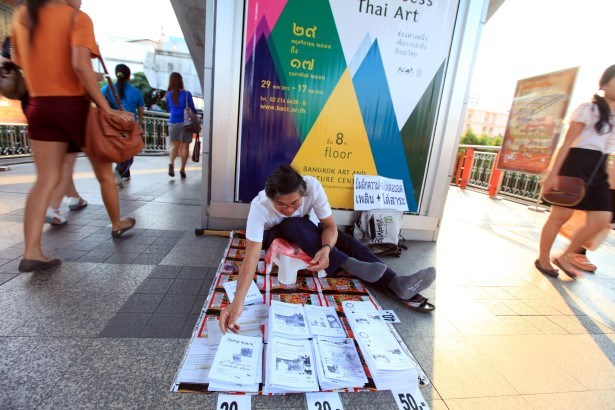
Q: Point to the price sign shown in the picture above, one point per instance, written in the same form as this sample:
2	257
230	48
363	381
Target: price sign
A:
389	316
324	401
234	402
409	399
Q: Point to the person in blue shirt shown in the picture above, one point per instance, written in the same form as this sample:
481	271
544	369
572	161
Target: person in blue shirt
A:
177	98
132	101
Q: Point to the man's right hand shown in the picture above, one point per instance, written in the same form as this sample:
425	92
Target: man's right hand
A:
229	316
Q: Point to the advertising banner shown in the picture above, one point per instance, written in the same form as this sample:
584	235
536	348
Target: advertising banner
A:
338	88
535	121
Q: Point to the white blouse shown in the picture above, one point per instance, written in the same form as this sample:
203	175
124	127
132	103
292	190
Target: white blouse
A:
589	138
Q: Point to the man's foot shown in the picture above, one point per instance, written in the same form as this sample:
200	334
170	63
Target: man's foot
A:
580	261
368	271
75	204
419	303
53	217
171	170
406	287
546	270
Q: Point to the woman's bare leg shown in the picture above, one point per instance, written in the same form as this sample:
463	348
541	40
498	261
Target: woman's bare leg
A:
48	159
558	216
173	152
66	185
108	190
596	220
183	152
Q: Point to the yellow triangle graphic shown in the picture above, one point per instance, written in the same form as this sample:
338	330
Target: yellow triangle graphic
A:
337	146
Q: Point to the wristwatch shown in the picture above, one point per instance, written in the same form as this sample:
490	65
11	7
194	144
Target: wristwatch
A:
326	245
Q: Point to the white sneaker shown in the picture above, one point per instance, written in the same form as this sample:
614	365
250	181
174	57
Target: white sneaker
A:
77	203
53	217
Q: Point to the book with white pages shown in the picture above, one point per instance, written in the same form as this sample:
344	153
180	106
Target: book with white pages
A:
339	365
238	360
253	296
290	366
324	321
388	361
288	320
217	385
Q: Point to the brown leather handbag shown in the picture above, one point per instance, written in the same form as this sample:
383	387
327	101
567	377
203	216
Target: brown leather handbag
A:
109	138
570	190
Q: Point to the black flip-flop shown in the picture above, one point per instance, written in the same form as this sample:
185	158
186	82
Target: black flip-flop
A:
554	273
119	232
420	304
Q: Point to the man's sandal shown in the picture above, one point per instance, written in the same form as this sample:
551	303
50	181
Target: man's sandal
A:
419	303
119	232
53	217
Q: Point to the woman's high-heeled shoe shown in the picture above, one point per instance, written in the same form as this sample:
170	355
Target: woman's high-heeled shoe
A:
171	170
182	174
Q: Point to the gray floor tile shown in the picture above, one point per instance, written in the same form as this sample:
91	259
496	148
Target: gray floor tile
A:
164	326
189	325
95	256
69	255
31	367
186	287
5	277
194	272
125	325
122	257
166	271
160	286
176	304
158	249
116	372
149	259
142	303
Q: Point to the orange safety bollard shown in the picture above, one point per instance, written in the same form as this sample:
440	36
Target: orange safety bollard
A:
466	167
496	176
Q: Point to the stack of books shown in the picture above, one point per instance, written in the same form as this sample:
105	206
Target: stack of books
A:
237	365
388	360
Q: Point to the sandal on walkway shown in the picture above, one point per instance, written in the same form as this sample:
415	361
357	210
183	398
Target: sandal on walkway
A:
419	303
580	261
567	267
53	217
75	204
119	232
554	273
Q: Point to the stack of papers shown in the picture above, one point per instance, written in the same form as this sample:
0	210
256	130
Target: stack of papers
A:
338	363
388	361
237	365
324	321
287	320
290	366
253	296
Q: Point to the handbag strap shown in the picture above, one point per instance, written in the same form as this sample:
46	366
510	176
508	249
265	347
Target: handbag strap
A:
107	76
596	168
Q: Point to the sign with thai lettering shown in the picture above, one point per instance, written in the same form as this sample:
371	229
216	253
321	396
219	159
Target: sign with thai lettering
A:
375	192
338	88
536	121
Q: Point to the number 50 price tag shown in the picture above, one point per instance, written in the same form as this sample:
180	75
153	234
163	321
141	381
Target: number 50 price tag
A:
324	401
409	399
234	402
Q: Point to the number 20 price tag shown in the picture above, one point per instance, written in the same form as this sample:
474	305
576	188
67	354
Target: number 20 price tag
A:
324	401
409	399
234	402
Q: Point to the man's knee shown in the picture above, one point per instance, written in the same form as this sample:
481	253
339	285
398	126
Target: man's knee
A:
293	225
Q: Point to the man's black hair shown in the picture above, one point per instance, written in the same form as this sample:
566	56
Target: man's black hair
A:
283	181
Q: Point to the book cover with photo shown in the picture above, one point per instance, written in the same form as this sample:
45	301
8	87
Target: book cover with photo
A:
303	284
259	279
298	298
230	266
342	285
336	300
217	302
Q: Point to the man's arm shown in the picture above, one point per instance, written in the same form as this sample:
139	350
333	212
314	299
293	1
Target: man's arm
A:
230	314
328	237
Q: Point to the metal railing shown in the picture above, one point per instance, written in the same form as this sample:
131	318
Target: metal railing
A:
476	167
14	137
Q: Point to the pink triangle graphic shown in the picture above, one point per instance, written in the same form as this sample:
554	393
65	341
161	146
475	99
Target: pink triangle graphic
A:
262	15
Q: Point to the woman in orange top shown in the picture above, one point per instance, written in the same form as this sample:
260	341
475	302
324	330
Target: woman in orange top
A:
54	42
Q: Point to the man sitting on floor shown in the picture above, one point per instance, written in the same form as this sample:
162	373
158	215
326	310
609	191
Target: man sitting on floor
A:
282	210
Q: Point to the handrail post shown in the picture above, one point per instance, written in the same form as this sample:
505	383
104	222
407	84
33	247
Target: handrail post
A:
496	178
466	167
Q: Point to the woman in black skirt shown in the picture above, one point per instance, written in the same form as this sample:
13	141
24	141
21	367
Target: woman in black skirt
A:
590	137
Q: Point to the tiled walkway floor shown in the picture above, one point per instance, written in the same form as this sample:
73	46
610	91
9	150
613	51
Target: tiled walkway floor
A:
108	328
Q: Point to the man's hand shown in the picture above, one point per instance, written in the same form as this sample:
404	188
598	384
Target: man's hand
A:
229	316
320	260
